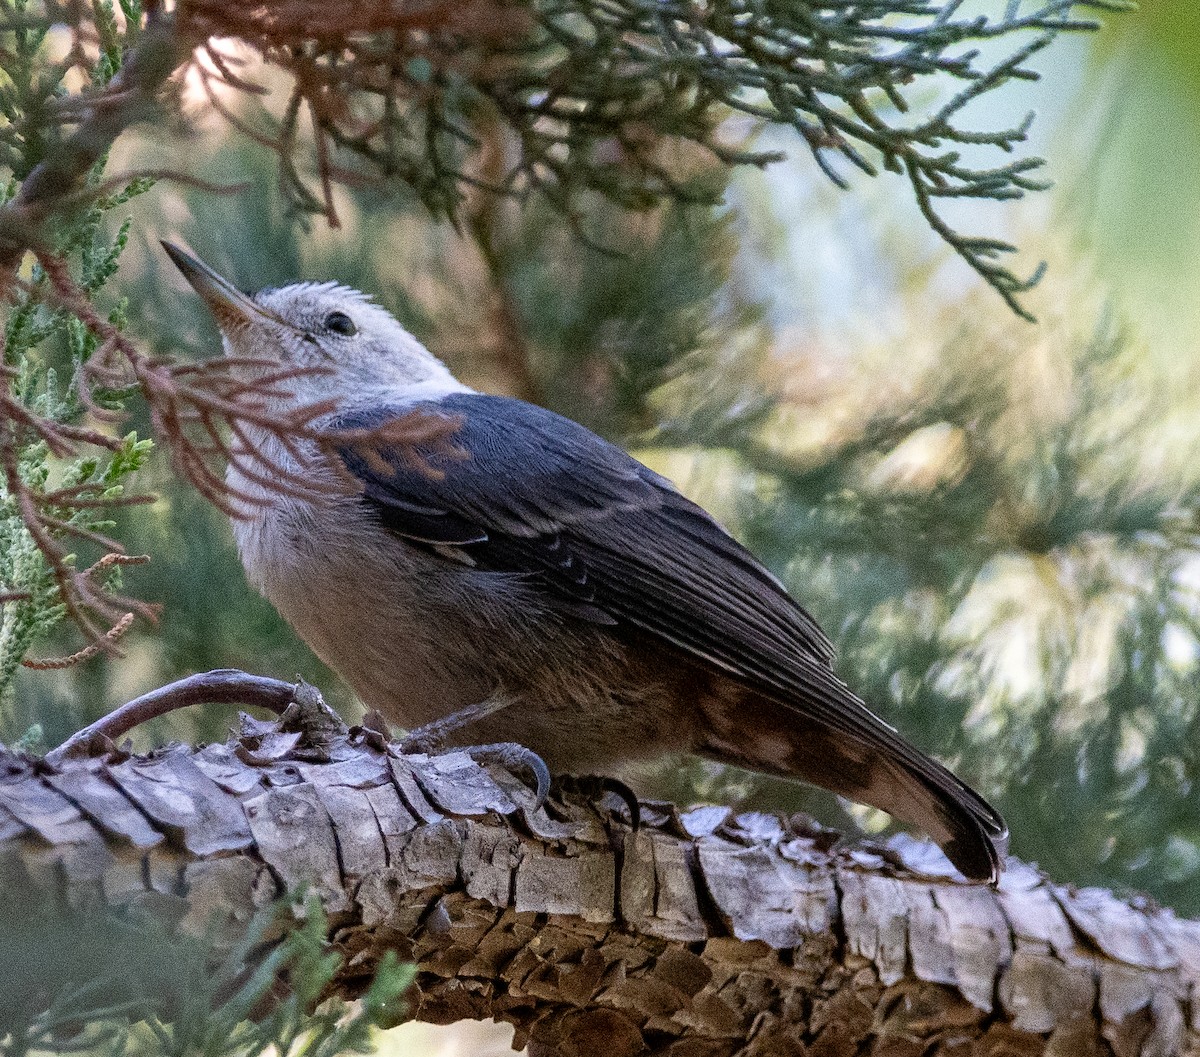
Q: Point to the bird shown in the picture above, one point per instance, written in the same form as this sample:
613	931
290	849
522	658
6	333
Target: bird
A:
531	583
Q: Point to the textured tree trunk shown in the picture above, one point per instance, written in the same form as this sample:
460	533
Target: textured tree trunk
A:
701	933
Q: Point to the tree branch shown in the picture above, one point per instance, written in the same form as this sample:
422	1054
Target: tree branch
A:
702	933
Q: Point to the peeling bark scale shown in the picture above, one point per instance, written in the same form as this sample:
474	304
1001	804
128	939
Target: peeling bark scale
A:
701	934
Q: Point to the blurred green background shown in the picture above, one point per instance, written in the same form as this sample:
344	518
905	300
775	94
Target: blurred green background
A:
995	521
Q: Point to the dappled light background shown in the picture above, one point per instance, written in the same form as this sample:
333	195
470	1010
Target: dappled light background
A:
996	521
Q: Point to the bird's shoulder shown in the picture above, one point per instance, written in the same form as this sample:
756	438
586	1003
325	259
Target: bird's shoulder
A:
504	451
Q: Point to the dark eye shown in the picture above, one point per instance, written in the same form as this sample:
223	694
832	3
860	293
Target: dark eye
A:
340	323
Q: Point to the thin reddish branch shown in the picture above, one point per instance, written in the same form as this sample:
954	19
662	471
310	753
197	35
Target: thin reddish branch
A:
111	636
346	59
223	686
224	65
48	517
329	22
94	611
41	511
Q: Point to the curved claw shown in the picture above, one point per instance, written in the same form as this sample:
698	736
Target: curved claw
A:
513	757
596	785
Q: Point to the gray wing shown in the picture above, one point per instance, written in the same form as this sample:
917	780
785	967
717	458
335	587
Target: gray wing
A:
608	539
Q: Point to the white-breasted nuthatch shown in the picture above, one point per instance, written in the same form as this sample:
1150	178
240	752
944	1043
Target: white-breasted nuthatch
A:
547	587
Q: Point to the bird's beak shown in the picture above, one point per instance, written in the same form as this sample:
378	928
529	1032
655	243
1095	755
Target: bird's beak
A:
226	302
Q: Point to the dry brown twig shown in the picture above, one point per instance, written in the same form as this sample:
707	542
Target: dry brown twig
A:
345	60
48	517
110	637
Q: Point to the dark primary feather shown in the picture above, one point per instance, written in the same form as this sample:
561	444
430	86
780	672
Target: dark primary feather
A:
613	542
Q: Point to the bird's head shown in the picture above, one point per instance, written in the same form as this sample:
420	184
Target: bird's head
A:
352	345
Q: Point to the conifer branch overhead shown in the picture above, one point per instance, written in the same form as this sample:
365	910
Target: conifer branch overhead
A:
592	96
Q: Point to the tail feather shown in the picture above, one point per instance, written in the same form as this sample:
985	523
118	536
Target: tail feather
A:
964	825
885	772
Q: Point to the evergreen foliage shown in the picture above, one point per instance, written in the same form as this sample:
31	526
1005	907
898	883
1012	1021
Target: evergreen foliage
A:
124	986
45	347
597	99
1010	582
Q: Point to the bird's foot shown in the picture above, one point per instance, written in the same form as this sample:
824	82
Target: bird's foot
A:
513	758
431	740
421	742
594	786
432	737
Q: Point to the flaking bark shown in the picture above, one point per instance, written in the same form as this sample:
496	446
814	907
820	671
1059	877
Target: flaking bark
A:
703	934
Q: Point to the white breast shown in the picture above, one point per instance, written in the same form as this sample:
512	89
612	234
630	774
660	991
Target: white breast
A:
372	607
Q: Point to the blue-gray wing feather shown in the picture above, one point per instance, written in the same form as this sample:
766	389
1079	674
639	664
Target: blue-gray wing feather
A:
541	495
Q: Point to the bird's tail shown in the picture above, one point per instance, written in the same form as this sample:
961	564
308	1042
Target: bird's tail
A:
872	765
